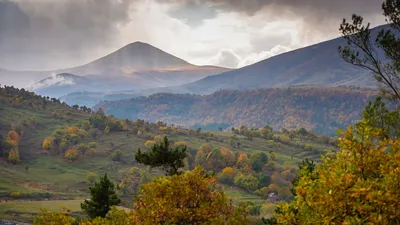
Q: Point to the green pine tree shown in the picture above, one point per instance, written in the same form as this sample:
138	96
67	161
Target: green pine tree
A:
161	155
102	197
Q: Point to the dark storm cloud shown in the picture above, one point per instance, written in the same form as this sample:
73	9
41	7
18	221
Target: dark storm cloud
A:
313	10
50	30
193	12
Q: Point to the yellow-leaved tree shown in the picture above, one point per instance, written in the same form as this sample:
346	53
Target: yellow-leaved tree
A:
358	185
190	198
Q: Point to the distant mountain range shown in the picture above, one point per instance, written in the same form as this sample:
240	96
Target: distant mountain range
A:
316	65
321	109
136	66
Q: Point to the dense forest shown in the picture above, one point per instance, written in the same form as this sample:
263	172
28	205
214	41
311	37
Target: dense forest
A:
321	110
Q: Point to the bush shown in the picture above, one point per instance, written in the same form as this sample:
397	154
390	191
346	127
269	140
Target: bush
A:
117	156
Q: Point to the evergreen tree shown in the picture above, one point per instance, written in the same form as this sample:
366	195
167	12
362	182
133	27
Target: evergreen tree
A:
102	197
161	155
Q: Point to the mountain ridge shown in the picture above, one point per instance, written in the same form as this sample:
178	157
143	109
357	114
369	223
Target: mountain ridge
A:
135	66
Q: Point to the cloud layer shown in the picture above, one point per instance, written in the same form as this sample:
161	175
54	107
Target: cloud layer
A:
43	34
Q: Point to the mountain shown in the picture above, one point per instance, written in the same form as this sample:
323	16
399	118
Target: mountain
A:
136	66
316	65
320	109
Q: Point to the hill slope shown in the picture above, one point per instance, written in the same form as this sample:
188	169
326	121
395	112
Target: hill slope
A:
49	175
319	109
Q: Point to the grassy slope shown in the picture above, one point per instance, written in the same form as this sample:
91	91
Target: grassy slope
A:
54	175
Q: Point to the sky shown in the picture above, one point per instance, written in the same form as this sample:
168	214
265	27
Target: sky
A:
55	34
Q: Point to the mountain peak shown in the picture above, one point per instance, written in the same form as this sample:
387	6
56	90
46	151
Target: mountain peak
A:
138	44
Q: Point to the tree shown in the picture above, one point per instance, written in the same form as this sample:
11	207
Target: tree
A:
12	135
83	148
13	156
117	156
75	107
227	175
242	160
54	218
377	114
102	197
107	130
92	151
162	155
363	50
48	143
302	132
272	155
71	154
227	156
149	143
248	182
357	185
258	160
202	153
91	178
191	198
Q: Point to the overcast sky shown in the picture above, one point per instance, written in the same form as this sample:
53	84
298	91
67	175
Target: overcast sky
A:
51	34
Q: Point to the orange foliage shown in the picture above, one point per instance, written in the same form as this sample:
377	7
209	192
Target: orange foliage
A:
72	130
12	135
242	159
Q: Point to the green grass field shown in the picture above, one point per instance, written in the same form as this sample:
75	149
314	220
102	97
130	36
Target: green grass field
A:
24	211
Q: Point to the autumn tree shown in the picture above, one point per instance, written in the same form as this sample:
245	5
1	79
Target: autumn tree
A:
227	175
48	143
358	185
202	153
242	160
12	135
102	197
149	143
162	155
91	178
71	154
191	198
13	156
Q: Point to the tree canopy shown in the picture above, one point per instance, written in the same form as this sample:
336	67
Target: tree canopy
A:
102	197
162	155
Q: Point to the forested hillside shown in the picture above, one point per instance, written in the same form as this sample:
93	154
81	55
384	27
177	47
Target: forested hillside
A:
321	110
51	151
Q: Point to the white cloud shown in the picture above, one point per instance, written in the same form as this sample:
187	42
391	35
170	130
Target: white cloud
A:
256	57
54	79
225	58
